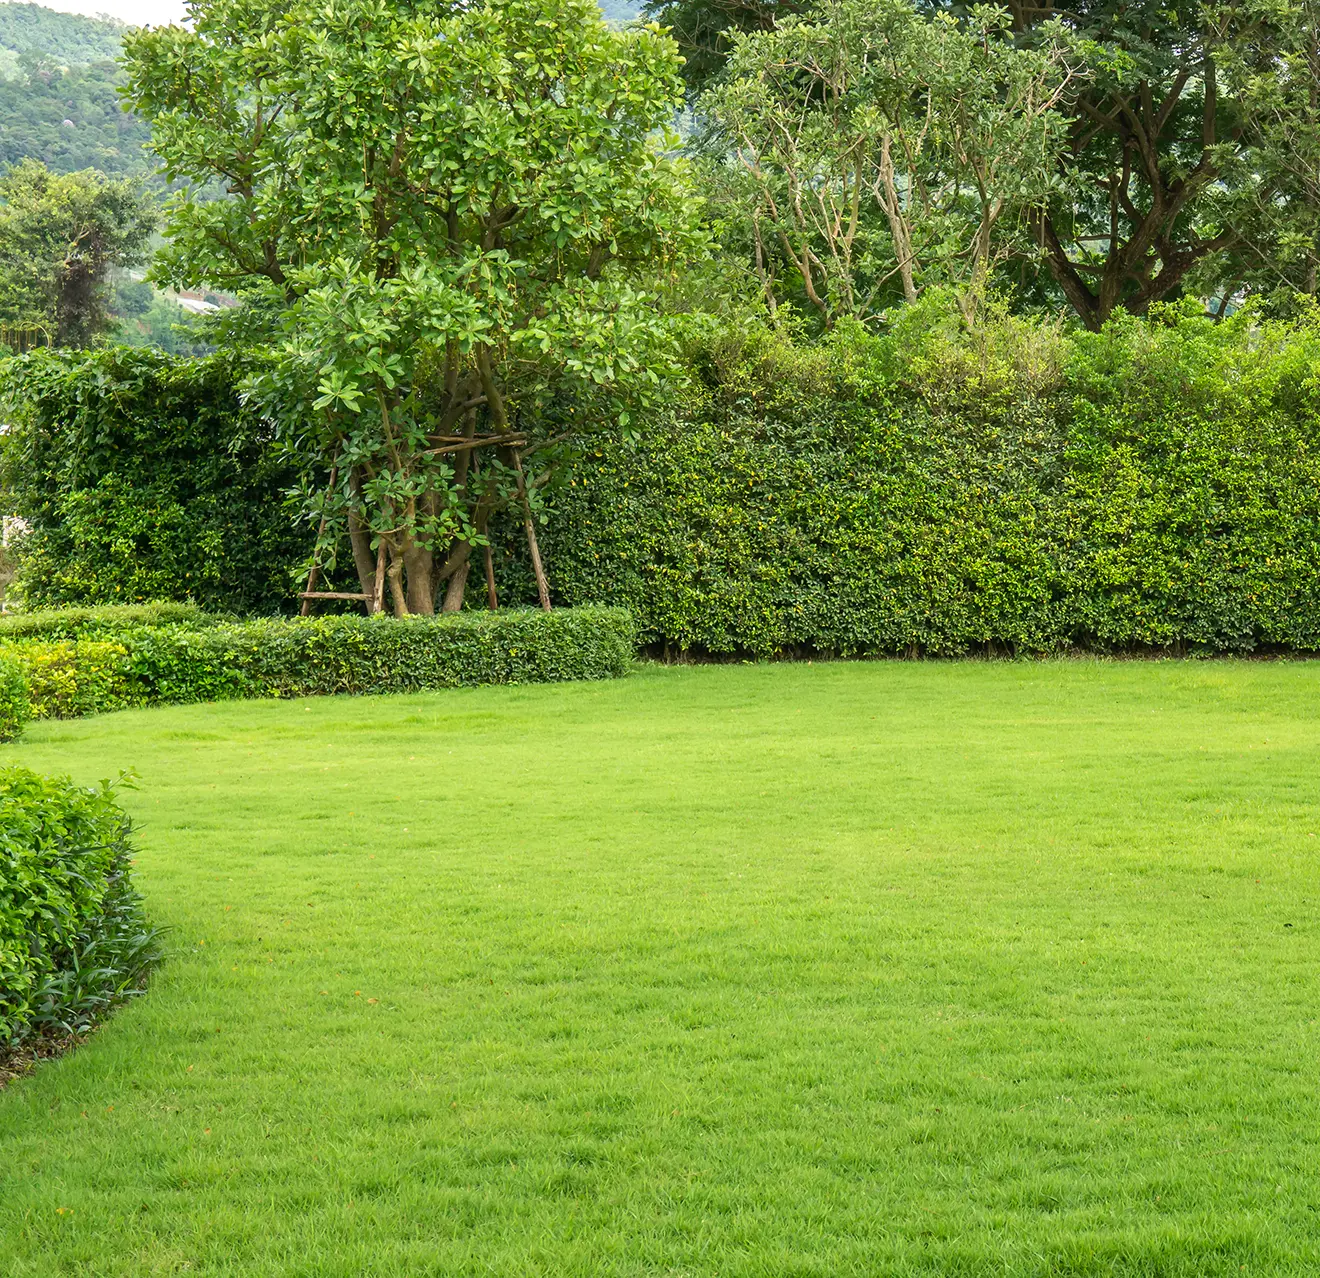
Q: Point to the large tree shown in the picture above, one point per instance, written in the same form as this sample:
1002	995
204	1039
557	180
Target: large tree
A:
60	235
452	207
1175	144
1192	139
869	151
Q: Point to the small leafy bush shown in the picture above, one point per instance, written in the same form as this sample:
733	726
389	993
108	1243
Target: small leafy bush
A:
15	703
75	677
104	622
73	939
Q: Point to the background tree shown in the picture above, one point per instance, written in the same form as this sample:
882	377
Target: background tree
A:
1189	141
60	234
451	208
872	151
1173	146
705	30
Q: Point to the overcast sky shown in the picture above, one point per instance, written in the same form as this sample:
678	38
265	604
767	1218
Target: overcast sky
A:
140	13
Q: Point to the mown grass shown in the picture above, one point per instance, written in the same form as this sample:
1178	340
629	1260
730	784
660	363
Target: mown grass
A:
779	970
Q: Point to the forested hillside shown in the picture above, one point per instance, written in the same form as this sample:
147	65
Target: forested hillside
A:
67	38
59	99
58	91
70	118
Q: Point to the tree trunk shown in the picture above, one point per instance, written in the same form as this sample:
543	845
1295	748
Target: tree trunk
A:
394	576
418	563
492	598
457	586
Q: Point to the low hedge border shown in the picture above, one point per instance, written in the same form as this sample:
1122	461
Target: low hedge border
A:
171	664
104	622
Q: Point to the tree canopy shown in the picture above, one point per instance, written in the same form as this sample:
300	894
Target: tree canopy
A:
870	152
1191	133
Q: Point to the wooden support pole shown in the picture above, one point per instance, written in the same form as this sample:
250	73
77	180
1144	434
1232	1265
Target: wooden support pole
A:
491	597
378	603
542	586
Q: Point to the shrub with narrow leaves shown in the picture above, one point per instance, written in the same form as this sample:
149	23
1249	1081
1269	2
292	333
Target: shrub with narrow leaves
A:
73	939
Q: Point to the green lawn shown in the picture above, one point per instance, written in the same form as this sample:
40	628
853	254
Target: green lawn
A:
872	969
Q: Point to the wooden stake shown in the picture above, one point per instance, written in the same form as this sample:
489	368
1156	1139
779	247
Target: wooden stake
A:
491	596
542	586
309	593
378	603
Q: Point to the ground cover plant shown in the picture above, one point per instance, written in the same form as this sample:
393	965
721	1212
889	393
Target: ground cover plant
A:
782	969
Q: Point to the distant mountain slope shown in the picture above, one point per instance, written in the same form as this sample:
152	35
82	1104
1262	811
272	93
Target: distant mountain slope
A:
71	119
620	10
58	99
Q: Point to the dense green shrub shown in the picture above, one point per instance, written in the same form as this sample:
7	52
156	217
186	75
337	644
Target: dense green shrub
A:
102	622
73	940
309	656
15	698
1021	488
142	476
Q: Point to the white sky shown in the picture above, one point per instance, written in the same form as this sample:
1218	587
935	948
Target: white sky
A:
141	13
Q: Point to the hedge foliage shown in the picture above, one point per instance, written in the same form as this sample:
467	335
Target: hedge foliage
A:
102	622
73	677
142	476
1023	488
73	940
310	656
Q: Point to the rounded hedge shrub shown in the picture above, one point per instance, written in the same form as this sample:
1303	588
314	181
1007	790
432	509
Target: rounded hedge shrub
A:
15	703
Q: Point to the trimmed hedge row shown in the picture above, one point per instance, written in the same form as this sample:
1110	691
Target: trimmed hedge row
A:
320	655
105	621
73	940
1023	488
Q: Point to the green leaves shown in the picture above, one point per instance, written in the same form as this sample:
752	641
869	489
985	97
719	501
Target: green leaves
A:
59	236
868	150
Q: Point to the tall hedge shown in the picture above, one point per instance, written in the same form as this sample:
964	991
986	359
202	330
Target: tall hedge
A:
142	477
1023	488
